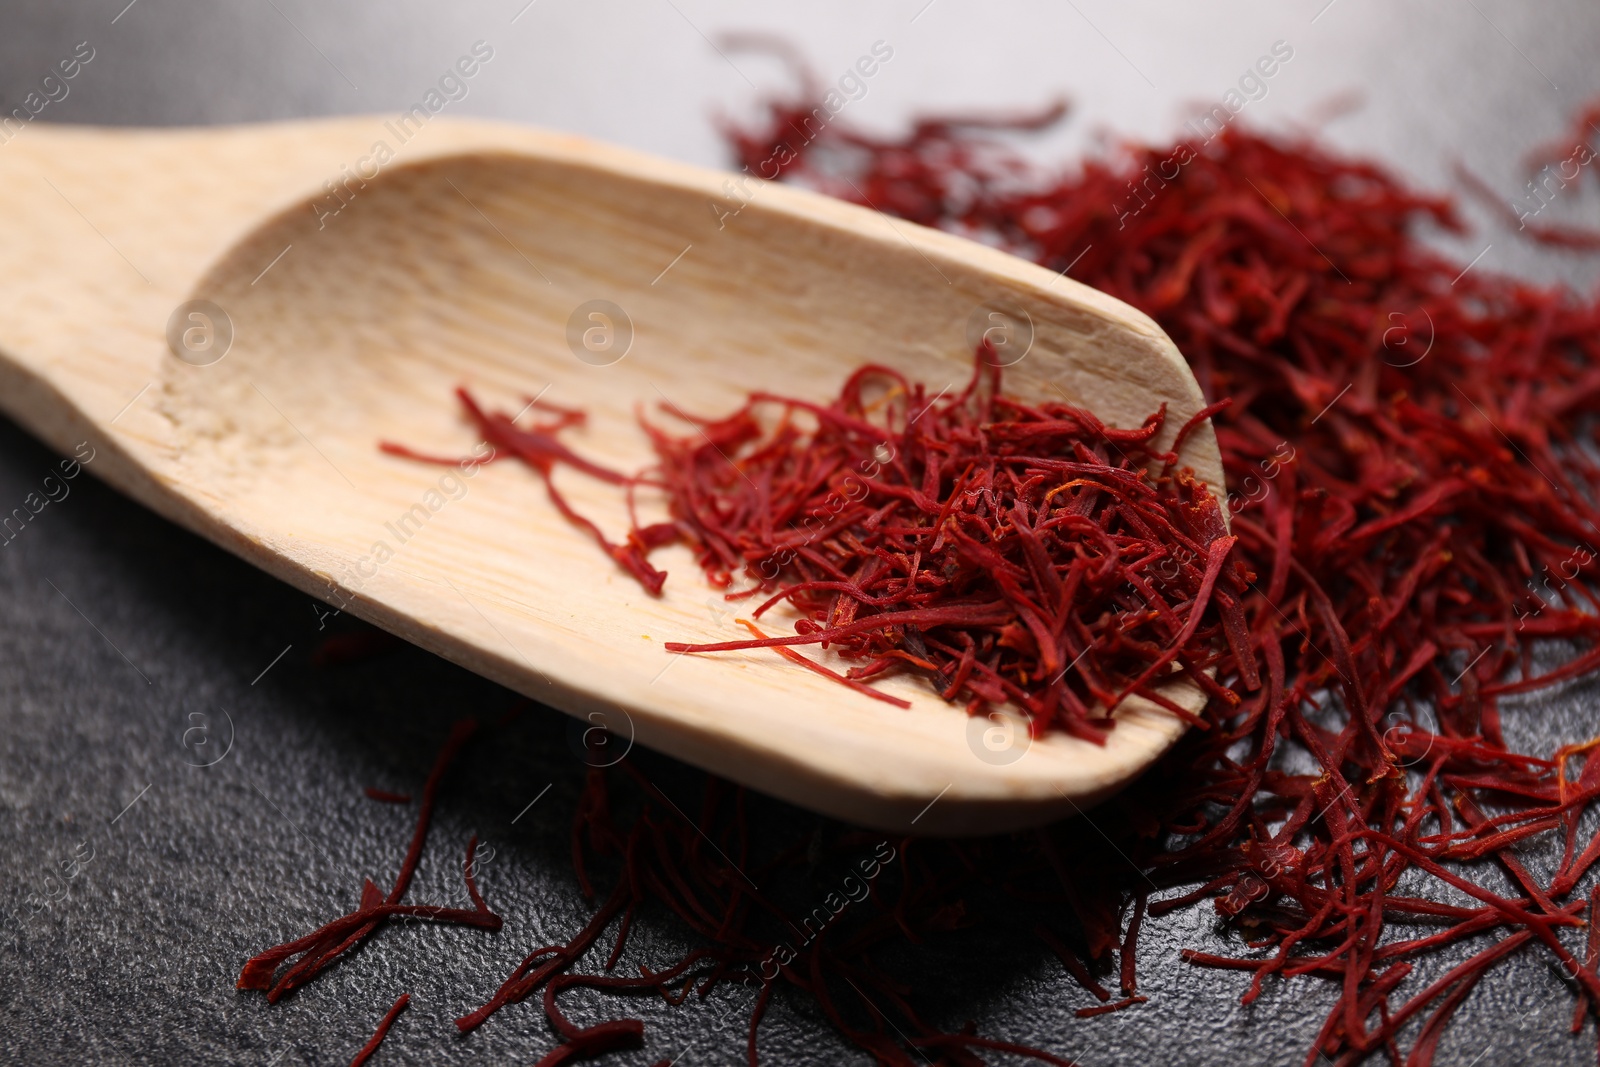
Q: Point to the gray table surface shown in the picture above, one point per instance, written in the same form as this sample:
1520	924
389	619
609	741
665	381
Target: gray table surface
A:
117	629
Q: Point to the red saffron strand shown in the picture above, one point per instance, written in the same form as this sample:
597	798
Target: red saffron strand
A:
331	941
794	657
1106	1009
382	1031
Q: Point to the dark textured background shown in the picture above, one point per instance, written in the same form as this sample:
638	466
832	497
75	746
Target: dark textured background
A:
116	629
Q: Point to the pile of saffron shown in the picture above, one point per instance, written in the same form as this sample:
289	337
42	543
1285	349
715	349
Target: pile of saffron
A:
1409	454
1011	553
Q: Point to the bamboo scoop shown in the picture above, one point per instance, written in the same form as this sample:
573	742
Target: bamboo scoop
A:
233	318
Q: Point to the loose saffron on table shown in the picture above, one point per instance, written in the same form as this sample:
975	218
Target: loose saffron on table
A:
1409	452
366	1051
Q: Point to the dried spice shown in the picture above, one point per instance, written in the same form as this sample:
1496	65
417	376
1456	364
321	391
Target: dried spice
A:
1010	553
538	446
382	1031
1409	447
324	946
713	877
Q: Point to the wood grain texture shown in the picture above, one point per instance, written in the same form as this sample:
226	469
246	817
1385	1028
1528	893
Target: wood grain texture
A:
461	263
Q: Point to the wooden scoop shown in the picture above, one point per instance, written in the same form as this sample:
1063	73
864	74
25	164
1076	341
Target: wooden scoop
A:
233	318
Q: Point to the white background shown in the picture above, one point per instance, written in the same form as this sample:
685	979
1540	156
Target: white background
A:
1475	81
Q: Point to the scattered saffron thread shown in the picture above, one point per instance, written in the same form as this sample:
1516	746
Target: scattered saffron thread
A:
382	1031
